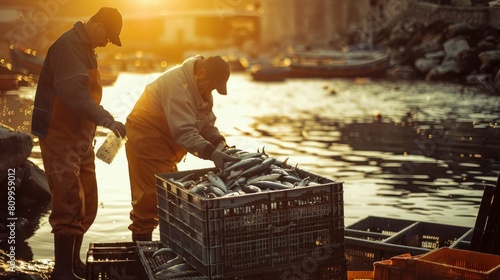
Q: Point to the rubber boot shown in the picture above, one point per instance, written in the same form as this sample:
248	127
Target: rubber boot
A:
63	253
142	237
78	266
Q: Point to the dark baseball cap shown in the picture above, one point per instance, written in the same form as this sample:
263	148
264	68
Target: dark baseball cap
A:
218	71
112	20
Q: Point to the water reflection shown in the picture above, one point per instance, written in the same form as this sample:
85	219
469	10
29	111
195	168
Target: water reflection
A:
411	156
412	150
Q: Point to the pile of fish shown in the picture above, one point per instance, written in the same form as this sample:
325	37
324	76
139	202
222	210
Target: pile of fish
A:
175	268
254	172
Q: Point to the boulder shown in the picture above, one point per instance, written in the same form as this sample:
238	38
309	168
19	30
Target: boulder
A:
15	147
491	57
425	64
433	45
454	46
34	183
468	61
446	71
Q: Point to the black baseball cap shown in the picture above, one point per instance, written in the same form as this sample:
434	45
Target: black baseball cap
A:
218	71
112	20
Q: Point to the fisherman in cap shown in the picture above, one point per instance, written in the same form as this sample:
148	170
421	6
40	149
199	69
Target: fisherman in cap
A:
66	112
172	117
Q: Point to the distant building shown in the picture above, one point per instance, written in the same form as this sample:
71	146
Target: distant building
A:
323	22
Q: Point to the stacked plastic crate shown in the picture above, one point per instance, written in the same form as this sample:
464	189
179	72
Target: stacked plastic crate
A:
375	239
295	233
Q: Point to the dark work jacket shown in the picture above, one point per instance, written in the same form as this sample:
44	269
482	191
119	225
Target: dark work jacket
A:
67	98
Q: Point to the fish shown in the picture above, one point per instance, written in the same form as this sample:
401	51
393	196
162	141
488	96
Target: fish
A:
198	189
250	189
231	151
238	182
217	181
229	194
173	273
259	168
188	184
251	155
234	174
278	170
216	190
271	185
175	261
282	163
304	182
244	163
266	177
291	179
163	251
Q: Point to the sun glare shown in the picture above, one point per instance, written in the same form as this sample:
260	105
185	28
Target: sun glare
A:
147	3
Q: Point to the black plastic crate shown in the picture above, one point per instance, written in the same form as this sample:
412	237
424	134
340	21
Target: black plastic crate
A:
145	251
111	261
254	233
428	235
375	239
377	228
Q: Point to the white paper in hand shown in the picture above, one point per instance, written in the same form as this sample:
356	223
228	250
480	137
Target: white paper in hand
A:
109	149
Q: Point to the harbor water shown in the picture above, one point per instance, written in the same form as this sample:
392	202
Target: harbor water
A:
403	149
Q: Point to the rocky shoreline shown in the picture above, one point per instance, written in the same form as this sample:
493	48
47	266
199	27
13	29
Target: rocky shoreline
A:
444	43
25	192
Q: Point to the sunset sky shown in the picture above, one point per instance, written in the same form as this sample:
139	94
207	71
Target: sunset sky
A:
128	7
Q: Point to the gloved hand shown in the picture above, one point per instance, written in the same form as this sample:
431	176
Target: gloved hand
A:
118	128
219	158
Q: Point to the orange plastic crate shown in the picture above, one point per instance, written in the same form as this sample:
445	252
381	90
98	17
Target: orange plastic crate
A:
359	275
447	263
400	267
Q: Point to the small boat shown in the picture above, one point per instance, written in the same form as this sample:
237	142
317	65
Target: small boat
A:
333	63
263	72
25	61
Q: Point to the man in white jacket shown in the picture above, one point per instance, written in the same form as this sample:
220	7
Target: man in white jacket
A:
172	117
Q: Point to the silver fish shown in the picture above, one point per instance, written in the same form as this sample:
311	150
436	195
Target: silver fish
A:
271	185
216	190
234	174
173	272
303	183
163	251
175	261
231	151
259	168
250	189
198	189
266	177
232	194
244	163
217	181
251	155
279	171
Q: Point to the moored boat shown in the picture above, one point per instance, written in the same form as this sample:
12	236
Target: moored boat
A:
332	63
25	61
261	72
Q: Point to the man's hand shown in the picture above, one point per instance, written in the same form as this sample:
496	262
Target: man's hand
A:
219	158
118	128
